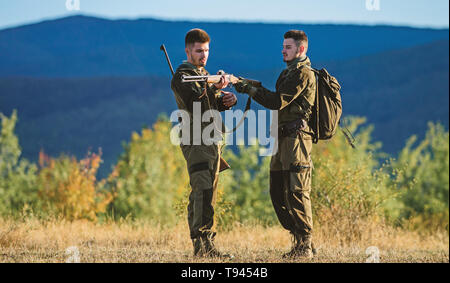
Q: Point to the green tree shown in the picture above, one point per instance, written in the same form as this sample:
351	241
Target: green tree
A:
350	187
150	177
17	176
246	186
422	174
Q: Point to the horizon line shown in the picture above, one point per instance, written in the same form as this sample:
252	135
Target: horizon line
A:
219	21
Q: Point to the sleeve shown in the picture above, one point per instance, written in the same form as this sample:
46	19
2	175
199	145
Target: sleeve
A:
190	91
288	90
215	92
221	107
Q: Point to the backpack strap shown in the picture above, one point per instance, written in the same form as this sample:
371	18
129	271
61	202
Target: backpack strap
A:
315	136
316	102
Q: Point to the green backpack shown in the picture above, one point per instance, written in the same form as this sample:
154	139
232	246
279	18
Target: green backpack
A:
327	109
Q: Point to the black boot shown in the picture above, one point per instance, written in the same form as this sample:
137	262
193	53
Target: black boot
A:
204	246
199	250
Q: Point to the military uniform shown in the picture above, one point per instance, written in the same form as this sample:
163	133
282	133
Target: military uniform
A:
202	160
291	167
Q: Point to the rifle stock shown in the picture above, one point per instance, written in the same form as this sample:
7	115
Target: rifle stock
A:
223	165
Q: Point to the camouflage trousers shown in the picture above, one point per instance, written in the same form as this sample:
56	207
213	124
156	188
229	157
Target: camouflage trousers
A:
203	168
290	183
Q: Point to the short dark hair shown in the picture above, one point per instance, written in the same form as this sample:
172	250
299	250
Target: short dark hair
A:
299	36
196	35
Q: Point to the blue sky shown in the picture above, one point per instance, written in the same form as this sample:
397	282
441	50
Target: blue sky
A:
417	13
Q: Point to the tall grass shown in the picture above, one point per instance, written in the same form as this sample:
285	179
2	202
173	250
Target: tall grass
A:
34	240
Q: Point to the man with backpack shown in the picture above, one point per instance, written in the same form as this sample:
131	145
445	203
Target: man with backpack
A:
291	167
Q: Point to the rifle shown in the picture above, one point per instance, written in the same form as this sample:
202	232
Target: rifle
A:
232	79
216	78
223	164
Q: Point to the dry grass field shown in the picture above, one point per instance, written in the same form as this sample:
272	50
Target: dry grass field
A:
37	241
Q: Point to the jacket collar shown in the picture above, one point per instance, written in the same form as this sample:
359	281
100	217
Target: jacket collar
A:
297	62
188	65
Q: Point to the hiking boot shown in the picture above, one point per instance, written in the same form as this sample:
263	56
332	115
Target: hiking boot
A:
306	249
198	246
301	247
296	238
204	247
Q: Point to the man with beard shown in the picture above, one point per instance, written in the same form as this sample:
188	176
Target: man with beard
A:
202	159
291	166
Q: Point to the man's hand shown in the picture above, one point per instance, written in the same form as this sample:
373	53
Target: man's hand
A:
243	86
223	81
229	99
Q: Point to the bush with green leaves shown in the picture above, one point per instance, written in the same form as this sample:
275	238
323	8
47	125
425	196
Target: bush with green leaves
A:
246	187
150	177
350	187
17	175
422	174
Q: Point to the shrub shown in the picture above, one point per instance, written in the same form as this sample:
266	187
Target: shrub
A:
68	187
17	175
150	177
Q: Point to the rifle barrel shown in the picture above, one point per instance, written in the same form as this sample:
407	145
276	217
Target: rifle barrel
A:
211	78
163	48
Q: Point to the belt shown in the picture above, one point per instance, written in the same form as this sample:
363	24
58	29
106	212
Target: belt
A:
291	127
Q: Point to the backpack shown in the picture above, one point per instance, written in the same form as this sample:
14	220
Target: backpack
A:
327	109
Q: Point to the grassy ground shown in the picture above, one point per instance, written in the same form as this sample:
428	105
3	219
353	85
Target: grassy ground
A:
37	241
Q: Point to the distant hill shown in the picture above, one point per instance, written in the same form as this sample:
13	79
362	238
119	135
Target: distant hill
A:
89	90
87	46
398	91
74	115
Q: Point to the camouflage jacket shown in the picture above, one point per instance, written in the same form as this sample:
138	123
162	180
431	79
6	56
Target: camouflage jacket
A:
188	93
294	95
